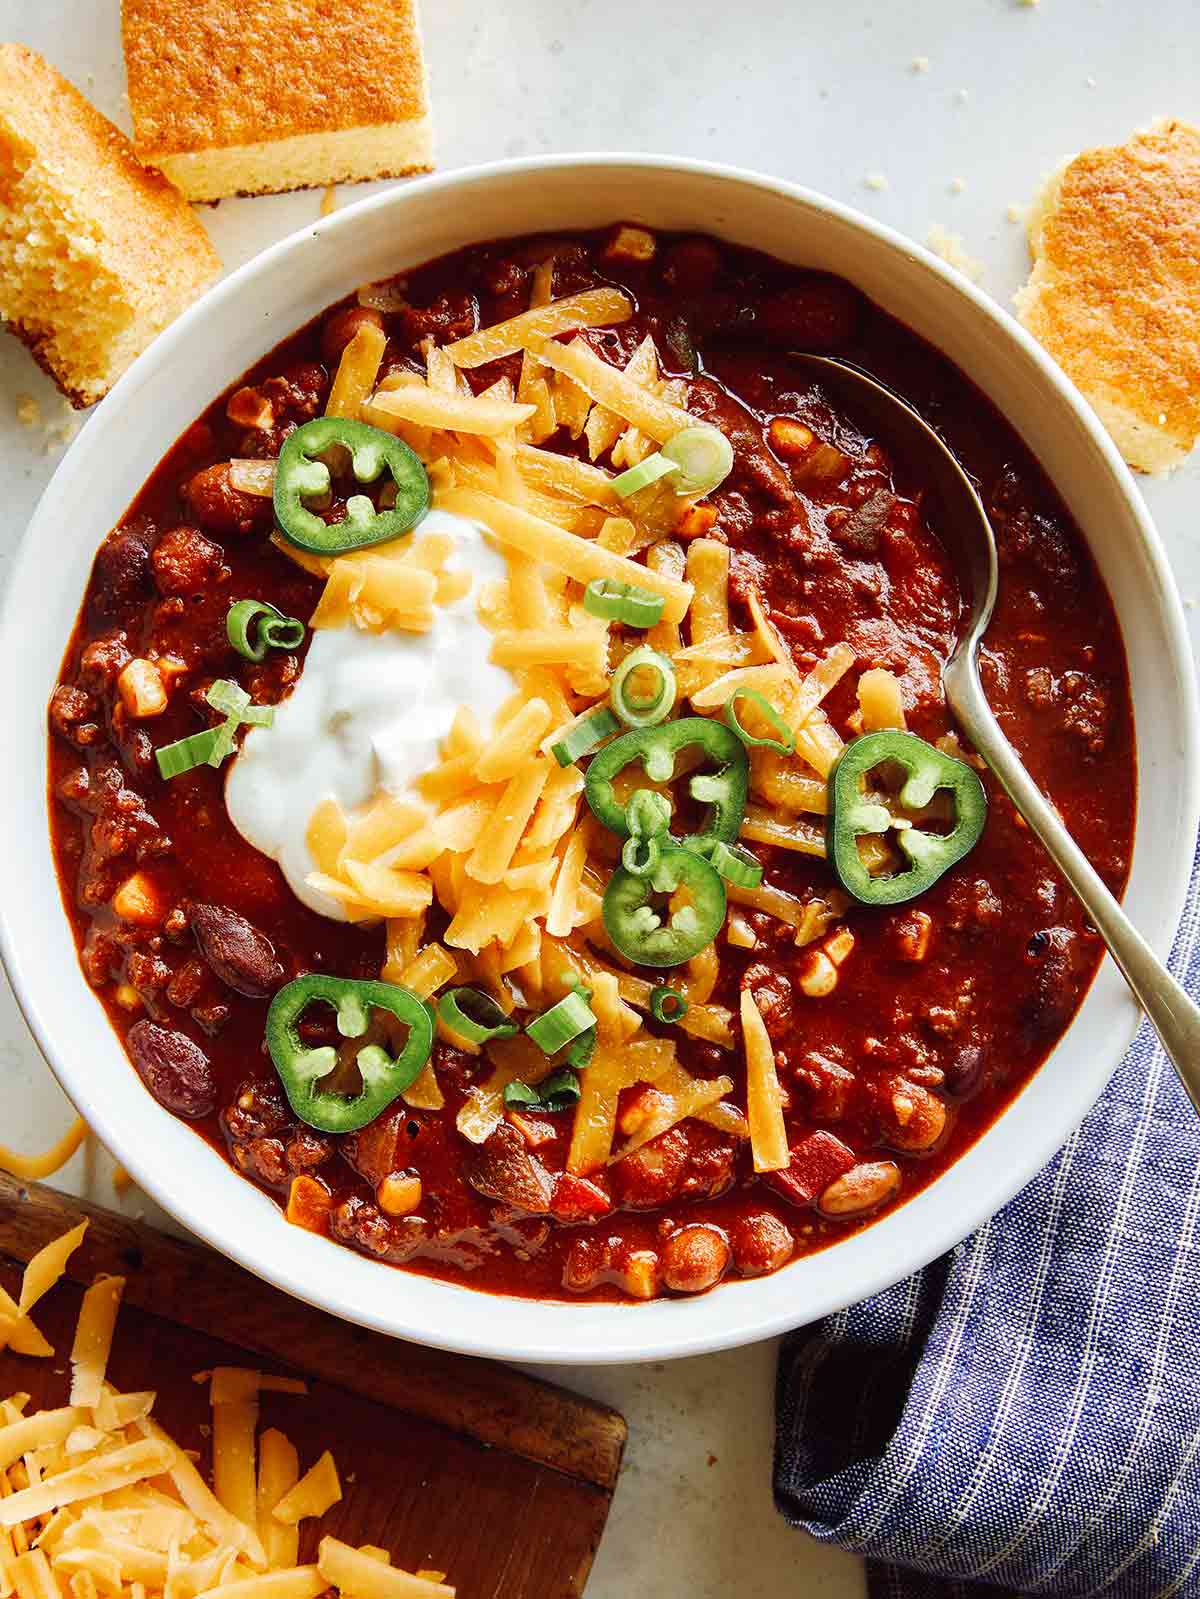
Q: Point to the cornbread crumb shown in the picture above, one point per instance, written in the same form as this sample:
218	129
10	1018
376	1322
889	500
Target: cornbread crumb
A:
260	96
329	201
953	251
920	63
957	185
97	255
29	412
876	180
1015	212
1114	294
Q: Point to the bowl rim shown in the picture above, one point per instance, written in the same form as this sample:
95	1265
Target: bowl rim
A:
555	1340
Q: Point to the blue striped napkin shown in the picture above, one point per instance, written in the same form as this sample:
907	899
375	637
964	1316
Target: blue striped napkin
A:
1024	1414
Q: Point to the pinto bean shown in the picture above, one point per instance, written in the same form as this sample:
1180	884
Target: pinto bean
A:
863	1188
173	1067
220	508
761	1244
242	957
695	1259
913	1117
341	328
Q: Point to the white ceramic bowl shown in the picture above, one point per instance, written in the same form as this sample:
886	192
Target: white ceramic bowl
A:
243	318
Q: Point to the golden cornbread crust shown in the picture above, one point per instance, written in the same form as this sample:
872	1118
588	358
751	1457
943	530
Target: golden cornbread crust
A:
1114	294
97	255
238	74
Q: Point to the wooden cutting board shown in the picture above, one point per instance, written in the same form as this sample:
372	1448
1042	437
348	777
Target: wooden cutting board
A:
453	1464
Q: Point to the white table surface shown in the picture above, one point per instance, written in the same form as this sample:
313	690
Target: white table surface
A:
828	95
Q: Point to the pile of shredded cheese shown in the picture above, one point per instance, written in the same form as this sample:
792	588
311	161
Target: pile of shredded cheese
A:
497	832
98	1502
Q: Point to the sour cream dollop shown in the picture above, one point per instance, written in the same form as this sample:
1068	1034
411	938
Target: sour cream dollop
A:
368	713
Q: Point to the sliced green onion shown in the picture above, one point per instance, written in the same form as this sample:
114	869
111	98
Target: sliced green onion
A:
580	1050
556	1092
704	457
644	473
623	602
585	736
785	743
643	710
648	813
232	700
474	1016
561	1023
254	626
187	753
641	853
736	865
667	1005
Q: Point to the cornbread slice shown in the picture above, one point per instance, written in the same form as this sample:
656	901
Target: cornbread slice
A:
97	255
1115	290
257	96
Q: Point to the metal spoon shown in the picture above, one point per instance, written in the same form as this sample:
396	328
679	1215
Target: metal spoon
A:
968	538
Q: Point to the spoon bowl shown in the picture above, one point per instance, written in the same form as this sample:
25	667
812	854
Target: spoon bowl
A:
969	540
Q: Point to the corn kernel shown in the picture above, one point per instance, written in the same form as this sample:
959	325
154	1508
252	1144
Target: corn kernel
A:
819	976
137	901
309	1204
127	997
696	521
399	1193
839	946
631	244
141	688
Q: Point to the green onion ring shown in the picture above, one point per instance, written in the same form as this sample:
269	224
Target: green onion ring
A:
637	710
585	736
556	1092
785	744
667	1005
644	473
623	602
489	1021
704	457
271	629
736	865
561	1023
580	1050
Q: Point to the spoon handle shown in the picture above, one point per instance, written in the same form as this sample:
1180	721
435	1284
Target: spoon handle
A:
1173	1014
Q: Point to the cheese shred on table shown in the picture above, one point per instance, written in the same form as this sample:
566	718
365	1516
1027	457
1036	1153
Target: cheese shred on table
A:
96	1499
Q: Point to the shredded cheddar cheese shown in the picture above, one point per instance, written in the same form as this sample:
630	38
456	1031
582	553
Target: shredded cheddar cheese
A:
96	1499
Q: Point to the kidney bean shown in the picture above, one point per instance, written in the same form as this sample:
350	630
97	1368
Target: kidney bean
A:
242	957
863	1188
761	1244
694	1259
120	575
964	1074
173	1067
